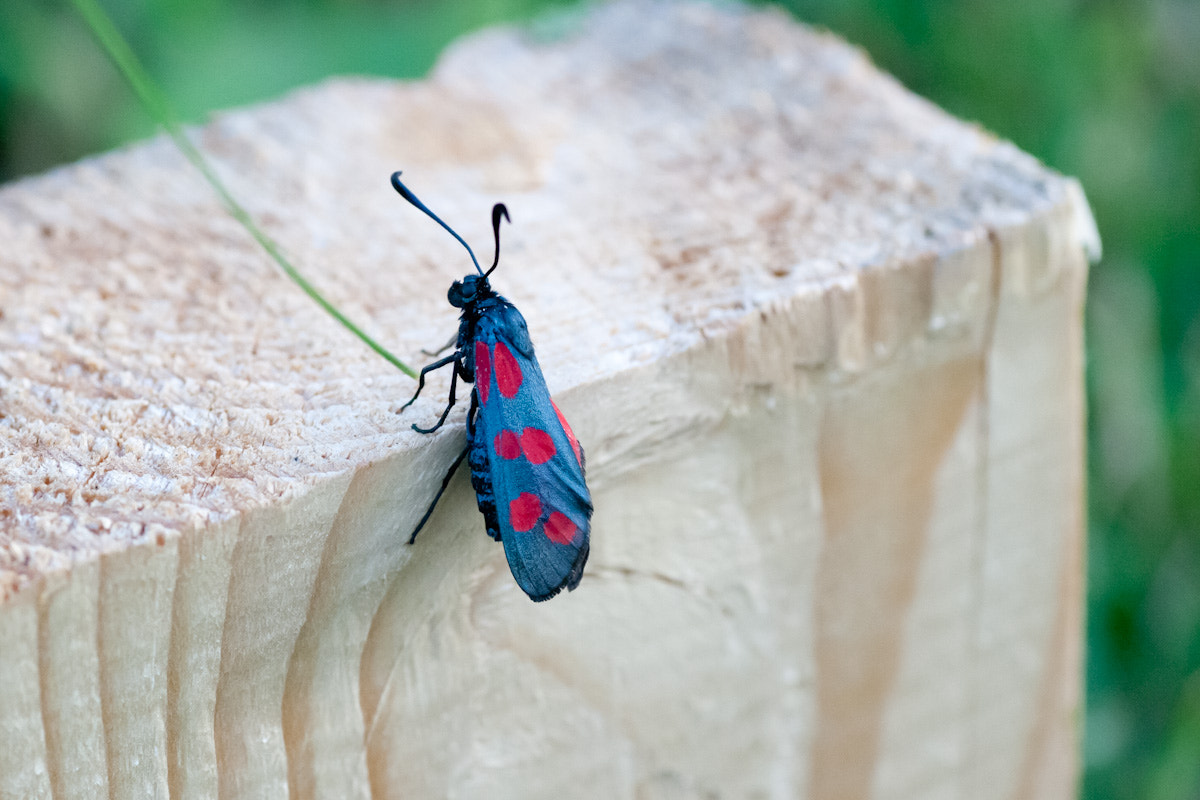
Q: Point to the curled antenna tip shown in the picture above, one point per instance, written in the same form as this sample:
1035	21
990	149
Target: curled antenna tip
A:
399	186
499	210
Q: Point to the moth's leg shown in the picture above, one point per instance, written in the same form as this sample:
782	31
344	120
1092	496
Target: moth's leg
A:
443	348
442	419
481	481
445	482
421	379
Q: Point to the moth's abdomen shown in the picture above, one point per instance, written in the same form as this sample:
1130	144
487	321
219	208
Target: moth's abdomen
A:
481	481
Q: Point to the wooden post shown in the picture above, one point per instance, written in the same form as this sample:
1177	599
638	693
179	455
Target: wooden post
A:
822	344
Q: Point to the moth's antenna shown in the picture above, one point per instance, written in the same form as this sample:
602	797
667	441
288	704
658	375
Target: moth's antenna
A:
412	198
498	211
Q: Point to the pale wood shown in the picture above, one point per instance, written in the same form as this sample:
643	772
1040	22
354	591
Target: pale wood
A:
822	344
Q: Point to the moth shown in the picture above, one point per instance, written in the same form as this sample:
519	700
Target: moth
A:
527	467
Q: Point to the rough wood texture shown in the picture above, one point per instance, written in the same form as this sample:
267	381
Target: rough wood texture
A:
821	341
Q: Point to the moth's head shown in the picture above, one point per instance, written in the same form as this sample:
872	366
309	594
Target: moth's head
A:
467	291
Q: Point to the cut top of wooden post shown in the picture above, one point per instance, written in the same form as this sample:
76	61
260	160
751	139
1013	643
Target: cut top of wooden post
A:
670	169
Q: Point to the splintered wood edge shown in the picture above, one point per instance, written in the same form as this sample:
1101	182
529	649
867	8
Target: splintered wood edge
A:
143	397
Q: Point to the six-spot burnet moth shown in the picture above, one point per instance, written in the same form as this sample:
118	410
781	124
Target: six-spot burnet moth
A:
527	468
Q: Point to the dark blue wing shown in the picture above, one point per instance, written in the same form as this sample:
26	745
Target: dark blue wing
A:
542	505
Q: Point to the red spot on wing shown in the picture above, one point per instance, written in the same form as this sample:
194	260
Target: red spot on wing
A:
483	371
570	434
506	445
508	371
559	528
537	445
523	512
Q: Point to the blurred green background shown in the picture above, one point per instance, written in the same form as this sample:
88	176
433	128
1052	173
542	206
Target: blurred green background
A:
1107	90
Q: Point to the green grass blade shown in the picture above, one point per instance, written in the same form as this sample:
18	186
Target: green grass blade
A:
155	103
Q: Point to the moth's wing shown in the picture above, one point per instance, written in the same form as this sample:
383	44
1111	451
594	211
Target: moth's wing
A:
542	503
